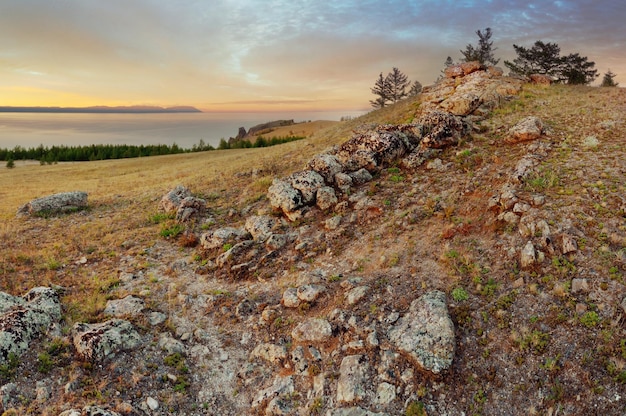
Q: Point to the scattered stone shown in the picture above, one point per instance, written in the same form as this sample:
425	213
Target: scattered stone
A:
128	306
280	386
245	308
55	204
152	403
276	241
271	353
530	128
279	406
623	305
309	293
96	342
568	244
290	298
580	285
356	294
528	255
352	379
156	318
426	332
361	176
343	181
591	142
260	227
333	222
190	207
222	236
354	411
312	330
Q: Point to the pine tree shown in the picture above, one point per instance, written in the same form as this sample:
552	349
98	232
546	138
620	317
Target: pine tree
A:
483	52
397	83
608	81
10	164
381	89
416	88
545	58
449	62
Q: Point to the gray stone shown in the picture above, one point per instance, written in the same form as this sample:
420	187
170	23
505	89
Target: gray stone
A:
55	204
343	181
580	285
280	386
313	330
189	207
309	293
71	412
623	305
260	227
356	294
361	176
220	237
279	406
152	403
172	200
23	320
528	255
326	198
170	345
276	241
333	222
354	411
439	129
300	363
568	244
353	373
130	305
326	165
283	196
307	182
426	332
98	411
271	353
290	298
232	255
96	342
156	318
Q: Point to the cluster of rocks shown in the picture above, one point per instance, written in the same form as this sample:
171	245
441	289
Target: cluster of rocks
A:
181	202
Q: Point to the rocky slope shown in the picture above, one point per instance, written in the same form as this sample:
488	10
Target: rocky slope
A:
471	261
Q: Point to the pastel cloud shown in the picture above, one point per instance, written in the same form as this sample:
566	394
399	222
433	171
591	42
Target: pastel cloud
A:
246	53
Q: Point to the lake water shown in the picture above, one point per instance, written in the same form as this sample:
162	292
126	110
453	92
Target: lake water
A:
185	129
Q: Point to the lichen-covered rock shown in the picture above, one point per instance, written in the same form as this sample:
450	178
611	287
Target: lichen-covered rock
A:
439	129
530	128
312	330
221	236
271	353
351	386
343	181
528	255
326	165
55	204
190	207
461	104
326	198
24	320
283	196
374	148
260	227
361	176
172	200
280	386
128	306
426	332
307	182
290	298
355	411
234	254
96	342
309	293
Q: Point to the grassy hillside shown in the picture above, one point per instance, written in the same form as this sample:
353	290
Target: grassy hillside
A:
526	339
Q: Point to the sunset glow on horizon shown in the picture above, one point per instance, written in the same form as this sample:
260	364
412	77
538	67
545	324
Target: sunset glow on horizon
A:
278	55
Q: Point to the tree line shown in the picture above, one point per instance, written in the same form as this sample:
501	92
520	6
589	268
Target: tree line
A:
54	154
541	58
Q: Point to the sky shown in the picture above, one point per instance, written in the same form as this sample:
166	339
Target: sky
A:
271	55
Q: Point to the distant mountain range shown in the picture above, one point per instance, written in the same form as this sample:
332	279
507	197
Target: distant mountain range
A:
101	109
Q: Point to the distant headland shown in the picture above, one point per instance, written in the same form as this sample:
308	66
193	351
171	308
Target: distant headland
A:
101	109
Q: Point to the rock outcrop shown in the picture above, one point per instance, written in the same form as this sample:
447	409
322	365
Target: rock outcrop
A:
55	204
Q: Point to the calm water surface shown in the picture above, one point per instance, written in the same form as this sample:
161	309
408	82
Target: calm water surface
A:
185	129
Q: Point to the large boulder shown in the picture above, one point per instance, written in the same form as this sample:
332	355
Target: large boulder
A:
96	342
55	204
426	333
172	200
284	197
180	201
26	318
307	182
260	227
326	165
